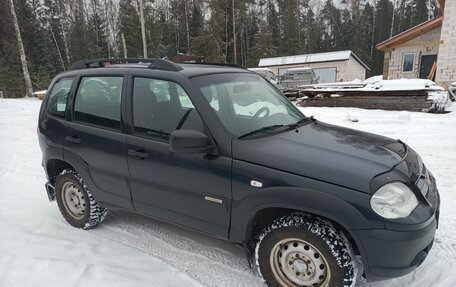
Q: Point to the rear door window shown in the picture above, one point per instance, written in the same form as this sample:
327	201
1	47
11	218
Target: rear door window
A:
58	98
98	101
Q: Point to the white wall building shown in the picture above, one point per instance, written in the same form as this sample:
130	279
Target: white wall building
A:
330	67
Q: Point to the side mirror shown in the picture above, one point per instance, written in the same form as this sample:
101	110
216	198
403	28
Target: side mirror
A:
190	142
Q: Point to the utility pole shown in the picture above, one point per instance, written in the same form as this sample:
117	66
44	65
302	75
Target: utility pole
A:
27	80
234	31
143	28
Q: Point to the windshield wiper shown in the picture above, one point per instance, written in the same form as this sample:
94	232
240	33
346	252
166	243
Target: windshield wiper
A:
267	129
298	123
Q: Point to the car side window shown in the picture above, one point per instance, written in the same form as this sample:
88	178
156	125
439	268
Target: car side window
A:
58	98
98	101
160	107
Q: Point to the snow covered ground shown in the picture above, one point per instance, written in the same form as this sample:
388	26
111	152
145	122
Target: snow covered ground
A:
38	248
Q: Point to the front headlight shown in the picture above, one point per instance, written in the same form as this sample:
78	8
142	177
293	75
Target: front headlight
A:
394	200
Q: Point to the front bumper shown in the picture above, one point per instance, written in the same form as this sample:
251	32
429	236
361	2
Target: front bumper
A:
394	253
390	254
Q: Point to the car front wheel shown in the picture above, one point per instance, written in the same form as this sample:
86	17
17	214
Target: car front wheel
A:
301	250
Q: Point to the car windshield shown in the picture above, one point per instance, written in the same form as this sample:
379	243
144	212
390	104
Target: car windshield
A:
247	104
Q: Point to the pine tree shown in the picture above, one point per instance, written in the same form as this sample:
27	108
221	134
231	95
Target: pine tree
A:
332	34
289	27
382	30
97	31
367	36
210	43
130	27
273	22
420	12
310	31
263	45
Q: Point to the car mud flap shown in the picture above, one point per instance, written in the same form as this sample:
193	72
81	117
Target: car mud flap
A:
50	190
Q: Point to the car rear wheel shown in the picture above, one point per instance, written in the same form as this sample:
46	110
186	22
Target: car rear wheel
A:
76	202
301	250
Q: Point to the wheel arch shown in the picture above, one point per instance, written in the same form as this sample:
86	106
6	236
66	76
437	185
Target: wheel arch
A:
265	216
55	166
340	206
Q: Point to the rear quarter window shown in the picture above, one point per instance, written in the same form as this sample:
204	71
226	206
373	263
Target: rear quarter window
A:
57	102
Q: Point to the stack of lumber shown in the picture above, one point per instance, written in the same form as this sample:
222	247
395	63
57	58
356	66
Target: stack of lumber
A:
415	100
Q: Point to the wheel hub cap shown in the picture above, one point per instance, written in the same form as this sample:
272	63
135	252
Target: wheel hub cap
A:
73	200
300	266
295	262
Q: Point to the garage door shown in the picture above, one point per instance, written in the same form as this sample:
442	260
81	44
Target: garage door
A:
326	75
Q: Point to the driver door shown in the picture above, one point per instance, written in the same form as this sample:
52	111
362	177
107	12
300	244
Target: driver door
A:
193	190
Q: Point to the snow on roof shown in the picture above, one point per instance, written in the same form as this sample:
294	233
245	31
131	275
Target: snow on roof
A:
378	84
260	69
311	58
298	69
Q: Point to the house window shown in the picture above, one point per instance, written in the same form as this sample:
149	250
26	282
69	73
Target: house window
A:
409	62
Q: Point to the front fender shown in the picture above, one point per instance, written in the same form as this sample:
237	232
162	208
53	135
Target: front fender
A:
347	207
299	199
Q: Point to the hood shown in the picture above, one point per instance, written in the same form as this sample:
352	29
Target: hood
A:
329	153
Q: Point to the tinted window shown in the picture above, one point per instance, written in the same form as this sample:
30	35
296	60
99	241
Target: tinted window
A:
160	107
58	98
98	101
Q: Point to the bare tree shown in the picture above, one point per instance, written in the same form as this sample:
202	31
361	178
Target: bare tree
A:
233	7
28	81
143	28
124	45
187	28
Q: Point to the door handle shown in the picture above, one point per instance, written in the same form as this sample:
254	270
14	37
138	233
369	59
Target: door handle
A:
73	139
138	153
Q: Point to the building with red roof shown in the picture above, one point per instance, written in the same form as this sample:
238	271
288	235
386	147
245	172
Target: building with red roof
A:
426	51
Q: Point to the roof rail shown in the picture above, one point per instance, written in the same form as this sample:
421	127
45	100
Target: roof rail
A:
154	63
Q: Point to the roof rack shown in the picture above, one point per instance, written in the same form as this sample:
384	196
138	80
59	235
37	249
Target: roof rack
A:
154	63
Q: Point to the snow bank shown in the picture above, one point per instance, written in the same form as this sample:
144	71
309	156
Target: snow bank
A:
39	248
433	136
404	85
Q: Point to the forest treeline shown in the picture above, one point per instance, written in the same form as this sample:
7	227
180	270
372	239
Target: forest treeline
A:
56	33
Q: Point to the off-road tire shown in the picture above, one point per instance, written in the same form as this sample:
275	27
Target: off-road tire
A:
93	213
320	234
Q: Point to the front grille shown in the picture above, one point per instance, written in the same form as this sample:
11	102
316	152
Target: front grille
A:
428	187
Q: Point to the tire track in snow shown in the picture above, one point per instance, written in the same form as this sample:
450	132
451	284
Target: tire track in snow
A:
210	262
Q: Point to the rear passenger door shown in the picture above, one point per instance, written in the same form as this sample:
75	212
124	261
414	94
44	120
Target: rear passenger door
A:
193	190
94	142
52	120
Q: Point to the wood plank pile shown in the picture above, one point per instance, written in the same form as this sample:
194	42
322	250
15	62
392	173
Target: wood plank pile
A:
414	100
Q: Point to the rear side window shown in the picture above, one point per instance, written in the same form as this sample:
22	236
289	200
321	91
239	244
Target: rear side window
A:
58	97
98	101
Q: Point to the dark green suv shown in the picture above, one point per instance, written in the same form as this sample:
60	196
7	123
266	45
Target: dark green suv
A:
220	150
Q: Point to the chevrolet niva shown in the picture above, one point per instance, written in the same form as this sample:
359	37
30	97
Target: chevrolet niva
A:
218	149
